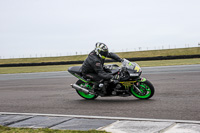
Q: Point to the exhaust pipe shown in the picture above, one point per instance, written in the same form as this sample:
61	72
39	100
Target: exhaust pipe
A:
77	87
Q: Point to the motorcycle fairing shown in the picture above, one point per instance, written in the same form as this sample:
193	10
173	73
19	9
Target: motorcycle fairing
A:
76	71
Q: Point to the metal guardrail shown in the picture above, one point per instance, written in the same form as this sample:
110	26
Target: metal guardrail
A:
80	62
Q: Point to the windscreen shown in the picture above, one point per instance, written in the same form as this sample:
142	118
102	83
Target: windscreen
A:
131	65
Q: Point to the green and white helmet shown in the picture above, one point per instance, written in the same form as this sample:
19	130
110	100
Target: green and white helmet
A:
101	50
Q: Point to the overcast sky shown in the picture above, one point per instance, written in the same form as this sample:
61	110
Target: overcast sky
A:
54	27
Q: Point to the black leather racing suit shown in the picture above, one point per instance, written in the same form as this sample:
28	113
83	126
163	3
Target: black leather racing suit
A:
93	66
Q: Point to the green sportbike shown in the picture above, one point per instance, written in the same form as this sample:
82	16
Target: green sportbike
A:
129	83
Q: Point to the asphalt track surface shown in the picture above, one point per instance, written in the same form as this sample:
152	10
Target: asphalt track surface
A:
177	95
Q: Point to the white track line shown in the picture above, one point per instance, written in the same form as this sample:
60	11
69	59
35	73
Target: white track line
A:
103	117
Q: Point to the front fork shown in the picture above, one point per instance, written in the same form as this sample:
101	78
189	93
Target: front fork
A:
137	88
138	83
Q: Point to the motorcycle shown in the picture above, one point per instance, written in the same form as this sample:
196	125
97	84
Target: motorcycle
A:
129	83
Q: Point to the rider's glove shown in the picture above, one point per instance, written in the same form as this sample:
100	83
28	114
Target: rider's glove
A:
115	79
107	69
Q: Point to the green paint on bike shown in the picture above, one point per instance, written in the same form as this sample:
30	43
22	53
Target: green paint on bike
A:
143	88
82	78
142	80
87	96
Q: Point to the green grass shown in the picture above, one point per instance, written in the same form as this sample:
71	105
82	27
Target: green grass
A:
4	129
166	52
52	68
150	53
43	59
169	62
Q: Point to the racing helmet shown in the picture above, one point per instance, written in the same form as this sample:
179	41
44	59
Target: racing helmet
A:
101	50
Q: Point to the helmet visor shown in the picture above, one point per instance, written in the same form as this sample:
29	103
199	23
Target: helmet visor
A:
104	53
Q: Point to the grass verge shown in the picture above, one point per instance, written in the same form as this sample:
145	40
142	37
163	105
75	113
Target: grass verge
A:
150	53
52	68
4	129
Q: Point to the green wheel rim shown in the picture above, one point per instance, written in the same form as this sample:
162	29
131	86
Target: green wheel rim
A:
88	96
142	87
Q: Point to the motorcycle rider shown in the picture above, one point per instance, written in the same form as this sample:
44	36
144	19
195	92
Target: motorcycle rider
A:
93	66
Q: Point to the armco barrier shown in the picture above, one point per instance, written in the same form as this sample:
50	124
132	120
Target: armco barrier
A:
80	62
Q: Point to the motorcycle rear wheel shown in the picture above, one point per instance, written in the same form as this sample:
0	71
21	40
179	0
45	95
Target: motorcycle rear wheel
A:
82	94
146	88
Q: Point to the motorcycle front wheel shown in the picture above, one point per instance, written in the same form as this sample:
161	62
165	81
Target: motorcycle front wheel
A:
82	94
146	88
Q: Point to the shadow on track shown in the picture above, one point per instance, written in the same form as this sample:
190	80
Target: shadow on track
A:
124	100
